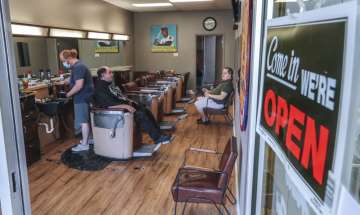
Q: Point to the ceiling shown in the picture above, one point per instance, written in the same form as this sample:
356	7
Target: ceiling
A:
208	5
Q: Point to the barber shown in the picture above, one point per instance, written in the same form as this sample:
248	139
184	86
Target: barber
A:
81	90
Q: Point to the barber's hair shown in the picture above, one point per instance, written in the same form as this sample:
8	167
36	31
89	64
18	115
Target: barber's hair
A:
230	71
69	53
101	71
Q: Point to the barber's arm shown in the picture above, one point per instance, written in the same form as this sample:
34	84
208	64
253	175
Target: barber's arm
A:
79	84
217	97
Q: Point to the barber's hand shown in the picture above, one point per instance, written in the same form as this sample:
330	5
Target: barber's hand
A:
129	108
67	95
204	90
207	94
67	81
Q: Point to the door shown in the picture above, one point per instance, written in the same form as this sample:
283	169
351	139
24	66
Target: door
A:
13	171
209	60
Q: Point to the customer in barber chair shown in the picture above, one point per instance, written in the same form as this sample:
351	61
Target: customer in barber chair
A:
215	98
108	96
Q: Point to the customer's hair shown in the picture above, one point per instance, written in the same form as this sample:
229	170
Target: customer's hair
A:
69	53
101	71
230	71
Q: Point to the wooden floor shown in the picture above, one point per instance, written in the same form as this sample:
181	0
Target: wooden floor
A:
134	187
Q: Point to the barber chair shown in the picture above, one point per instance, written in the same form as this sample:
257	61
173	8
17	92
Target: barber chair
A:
175	84
116	136
155	98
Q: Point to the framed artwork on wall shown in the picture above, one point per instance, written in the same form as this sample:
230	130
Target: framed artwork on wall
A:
107	46
164	38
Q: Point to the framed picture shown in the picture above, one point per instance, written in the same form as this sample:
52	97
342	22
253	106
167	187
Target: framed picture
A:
164	38
107	46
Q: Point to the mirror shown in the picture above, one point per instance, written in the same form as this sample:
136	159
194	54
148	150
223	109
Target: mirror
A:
39	53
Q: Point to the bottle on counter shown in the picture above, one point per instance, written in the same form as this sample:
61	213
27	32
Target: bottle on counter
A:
42	74
29	75
20	86
48	73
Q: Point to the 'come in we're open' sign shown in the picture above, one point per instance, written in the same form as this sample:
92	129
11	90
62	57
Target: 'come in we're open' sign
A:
300	96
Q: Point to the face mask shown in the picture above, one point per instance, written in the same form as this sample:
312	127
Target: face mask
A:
66	65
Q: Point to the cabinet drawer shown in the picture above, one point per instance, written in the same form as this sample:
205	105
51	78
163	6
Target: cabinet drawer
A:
30	130
32	151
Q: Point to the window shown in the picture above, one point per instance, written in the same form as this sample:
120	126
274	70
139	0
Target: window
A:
286	7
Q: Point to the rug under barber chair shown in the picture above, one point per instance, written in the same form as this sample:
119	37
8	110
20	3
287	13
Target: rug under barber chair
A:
85	160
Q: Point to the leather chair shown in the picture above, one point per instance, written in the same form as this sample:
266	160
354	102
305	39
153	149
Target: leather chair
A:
209	112
203	185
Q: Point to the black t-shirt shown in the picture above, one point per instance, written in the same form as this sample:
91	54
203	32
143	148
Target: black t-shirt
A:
107	95
80	71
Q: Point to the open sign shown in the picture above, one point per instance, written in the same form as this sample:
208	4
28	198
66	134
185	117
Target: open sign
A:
300	96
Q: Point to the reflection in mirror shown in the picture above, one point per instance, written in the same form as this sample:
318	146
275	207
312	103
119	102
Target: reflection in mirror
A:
284	8
23	51
34	54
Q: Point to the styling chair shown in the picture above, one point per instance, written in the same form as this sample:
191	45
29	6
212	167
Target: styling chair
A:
116	135
159	98
204	185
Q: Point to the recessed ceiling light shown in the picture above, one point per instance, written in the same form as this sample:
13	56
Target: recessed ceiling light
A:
56	32
98	35
182	1
28	30
120	37
152	5
287	1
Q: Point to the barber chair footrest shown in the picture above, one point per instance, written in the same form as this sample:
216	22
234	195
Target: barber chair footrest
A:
146	150
184	100
178	111
166	125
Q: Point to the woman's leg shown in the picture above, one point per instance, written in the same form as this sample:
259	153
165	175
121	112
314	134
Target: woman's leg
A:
200	104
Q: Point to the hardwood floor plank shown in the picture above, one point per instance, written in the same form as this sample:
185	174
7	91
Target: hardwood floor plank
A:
140	186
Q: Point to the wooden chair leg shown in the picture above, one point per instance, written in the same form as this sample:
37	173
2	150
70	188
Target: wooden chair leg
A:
227	211
184	208
175	208
232	196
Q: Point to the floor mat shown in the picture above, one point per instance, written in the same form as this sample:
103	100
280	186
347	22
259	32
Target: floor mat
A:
85	160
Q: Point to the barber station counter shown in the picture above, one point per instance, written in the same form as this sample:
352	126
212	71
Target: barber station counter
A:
55	116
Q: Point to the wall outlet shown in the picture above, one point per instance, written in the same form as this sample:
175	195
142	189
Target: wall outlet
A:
176	54
97	55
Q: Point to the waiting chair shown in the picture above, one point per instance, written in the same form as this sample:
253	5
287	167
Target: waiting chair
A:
209	112
204	185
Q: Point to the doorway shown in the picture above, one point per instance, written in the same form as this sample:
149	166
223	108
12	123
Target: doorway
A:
209	60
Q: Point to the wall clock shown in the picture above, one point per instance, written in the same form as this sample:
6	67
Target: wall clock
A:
209	23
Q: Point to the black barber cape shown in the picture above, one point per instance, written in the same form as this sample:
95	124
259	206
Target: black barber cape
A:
106	94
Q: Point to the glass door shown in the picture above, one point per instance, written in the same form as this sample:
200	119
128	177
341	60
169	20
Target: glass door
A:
276	192
14	196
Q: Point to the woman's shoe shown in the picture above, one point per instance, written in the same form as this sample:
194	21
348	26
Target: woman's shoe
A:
200	121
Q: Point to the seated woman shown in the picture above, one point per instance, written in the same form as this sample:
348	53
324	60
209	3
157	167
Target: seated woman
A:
108	96
216	97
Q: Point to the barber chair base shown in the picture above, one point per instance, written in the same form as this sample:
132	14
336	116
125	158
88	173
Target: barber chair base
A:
146	150
184	100
166	125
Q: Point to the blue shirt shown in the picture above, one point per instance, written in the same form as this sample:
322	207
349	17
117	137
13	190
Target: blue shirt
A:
80	71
